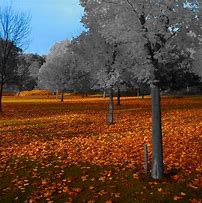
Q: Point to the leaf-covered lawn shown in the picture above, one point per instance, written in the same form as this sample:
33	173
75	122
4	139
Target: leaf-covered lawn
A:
66	152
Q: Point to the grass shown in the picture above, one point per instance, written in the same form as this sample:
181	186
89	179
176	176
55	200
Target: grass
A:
66	152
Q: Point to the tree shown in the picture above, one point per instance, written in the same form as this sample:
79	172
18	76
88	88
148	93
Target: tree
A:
148	29
197	63
82	82
35	62
58	71
9	74
100	59
176	73
28	66
23	77
14	31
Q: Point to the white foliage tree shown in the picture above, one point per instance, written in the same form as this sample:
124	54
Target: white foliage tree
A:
148	29
57	73
104	61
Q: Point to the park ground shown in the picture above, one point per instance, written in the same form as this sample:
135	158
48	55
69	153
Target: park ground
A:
66	152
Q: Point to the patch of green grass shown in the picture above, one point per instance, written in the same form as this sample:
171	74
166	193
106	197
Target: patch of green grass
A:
58	182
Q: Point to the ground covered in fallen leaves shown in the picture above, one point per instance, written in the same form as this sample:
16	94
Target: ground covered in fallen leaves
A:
66	152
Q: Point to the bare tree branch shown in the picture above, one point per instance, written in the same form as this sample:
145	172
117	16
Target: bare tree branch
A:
131	5
14	33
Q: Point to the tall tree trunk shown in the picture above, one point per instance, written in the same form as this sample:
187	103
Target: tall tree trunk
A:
111	106
62	96
1	94
118	97
157	149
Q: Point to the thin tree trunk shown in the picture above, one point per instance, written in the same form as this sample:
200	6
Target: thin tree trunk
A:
138	92
1	94
118	97
57	91
62	96
142	93
104	94
157	149
146	159
187	89
19	91
111	106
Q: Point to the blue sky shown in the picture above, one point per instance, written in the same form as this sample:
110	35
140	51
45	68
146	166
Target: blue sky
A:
52	21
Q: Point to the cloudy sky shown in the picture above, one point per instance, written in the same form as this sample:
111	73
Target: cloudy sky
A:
52	21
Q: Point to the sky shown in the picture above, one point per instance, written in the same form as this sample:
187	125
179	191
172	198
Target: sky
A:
52	21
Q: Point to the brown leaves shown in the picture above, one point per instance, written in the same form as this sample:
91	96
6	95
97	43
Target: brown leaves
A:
177	197
135	176
73	133
176	177
84	178
196	183
194	200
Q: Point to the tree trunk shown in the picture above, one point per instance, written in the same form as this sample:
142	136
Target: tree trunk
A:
104	94
19	91
111	106
62	96
118	97
142	93
157	149
138	92
57	91
187	89
1	94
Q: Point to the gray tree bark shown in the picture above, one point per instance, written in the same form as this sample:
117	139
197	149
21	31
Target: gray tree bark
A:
62	96
104	94
138	92
118	97
187	89
157	149
57	91
1	94
111	106
146	159
142	93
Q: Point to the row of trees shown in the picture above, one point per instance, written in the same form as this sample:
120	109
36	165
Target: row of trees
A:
146	39
127	42
14	30
60	72
16	68
150	42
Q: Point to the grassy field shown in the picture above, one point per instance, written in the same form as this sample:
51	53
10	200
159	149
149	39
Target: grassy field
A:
66	152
